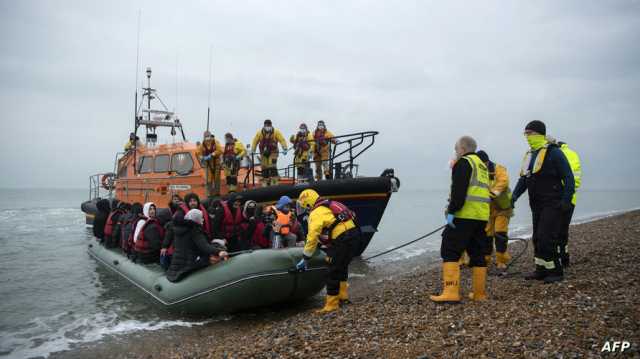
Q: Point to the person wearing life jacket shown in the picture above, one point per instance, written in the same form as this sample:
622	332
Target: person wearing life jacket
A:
231	221
192	201
323	139
332	224
253	228
100	219
210	152
283	235
267	139
134	142
303	147
192	248
466	215
112	226
500	212
148	236
546	176
232	154
576	168
166	252
129	222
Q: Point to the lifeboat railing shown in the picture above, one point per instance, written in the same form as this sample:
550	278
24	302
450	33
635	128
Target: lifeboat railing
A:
343	152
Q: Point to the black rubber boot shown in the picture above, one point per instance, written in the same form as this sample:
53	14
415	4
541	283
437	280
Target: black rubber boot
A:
535	275
553	278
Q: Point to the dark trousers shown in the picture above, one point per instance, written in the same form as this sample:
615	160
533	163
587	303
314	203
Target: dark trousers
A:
546	238
340	252
468	235
564	236
501	240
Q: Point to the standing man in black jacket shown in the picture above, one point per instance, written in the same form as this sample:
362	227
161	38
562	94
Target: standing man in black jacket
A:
467	216
547	177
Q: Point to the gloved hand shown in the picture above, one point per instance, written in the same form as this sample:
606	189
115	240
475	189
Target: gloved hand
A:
302	265
238	157
284	152
206	158
564	206
450	218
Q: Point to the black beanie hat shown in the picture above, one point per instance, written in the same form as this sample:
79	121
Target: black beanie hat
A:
267	122
483	156
537	126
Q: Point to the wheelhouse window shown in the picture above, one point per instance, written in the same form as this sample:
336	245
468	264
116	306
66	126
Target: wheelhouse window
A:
146	164
182	163
162	163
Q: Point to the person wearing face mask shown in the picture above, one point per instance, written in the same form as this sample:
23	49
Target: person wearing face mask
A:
209	153
323	139
303	146
148	236
267	139
233	153
467	216
546	176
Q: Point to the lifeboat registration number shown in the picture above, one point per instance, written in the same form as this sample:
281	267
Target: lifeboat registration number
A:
180	187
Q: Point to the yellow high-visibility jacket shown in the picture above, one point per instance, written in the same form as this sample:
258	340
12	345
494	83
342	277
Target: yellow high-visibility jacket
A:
238	149
319	219
277	135
216	153
500	181
309	139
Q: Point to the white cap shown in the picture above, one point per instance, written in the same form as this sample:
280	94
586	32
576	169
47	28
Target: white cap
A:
194	215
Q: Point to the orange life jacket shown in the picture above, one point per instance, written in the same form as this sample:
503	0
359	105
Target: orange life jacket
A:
284	222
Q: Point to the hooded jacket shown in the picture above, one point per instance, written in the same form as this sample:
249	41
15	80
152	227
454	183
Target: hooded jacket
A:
191	250
151	232
100	218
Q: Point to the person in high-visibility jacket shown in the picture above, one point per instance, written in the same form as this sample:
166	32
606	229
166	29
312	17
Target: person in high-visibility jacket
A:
501	211
303	147
267	139
134	141
547	177
209	153
576	168
231	156
332	224
323	139
467	216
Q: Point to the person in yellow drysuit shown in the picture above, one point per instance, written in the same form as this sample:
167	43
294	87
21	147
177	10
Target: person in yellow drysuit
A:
267	139
209	153
303	147
134	141
498	226
332	224
231	156
323	139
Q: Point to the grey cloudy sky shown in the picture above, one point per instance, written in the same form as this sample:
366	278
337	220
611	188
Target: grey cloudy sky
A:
420	72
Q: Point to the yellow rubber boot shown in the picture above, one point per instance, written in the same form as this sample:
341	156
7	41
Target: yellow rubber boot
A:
502	259
479	284
332	303
451	283
344	292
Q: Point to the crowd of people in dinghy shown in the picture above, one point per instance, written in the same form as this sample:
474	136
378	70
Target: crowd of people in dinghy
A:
191	235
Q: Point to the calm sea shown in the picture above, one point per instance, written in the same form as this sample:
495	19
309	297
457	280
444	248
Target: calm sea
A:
55	297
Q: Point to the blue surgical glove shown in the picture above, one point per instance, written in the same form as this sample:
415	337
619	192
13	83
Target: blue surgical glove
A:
284	152
207	157
302	265
450	218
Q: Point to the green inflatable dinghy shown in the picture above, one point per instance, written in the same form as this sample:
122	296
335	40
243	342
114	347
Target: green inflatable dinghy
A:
247	280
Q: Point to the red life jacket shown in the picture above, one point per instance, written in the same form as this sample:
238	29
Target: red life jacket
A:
339	210
230	151
259	239
207	221
319	137
230	221
208	150
268	142
142	244
108	227
126	242
300	143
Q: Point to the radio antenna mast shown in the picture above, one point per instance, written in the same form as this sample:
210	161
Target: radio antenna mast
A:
209	97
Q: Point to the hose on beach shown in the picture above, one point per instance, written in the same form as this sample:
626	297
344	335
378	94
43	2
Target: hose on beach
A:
406	244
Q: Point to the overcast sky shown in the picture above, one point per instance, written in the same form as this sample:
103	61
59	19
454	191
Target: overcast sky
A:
422	73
